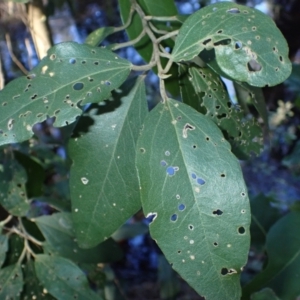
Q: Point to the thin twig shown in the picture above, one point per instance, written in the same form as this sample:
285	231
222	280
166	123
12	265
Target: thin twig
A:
158	31
7	220
129	43
13	57
167	36
161	19
128	22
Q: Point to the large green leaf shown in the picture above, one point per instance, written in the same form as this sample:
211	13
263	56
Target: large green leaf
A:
244	43
12	186
62	278
3	248
103	181
11	282
193	186
60	240
265	294
70	74
282	271
244	135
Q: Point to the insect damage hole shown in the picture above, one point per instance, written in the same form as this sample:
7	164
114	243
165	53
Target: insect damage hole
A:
241	230
253	66
218	212
78	86
233	11
151	217
187	127
174	218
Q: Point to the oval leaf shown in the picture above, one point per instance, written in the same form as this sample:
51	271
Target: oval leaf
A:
69	74
62	278
245	43
193	186
104	187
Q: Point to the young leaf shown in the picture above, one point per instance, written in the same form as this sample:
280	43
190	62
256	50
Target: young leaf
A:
193	186
244	135
32	286
69	75
104	187
12	186
3	248
60	240
96	37
11	282
62	278
282	271
244	43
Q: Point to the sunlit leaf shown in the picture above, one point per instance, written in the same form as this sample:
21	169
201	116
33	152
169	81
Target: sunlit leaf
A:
62	278
242	42
192	185
70	74
282	271
103	181
60	240
11	282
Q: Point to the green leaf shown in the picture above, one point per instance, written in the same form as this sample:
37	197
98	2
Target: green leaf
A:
35	174
283	249
193	186
12	186
263	217
243	43
70	74
60	240
62	278
265	294
104	188
16	245
11	282
244	135
3	248
257	97
98	36
32	286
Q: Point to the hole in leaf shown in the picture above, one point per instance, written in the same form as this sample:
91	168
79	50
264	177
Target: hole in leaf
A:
206	42
179	251
253	66
224	271
220	31
216	244
107	82
257	37
187	127
78	86
243	194
151	217
223	42
234	11
172	170
142	150
181	207
174	217
72	61
207	139
241	230
83	62
238	45
200	181
191	227
253	28
218	212
33	96
178	118
223	175
280	58
194	176
30	76
96	63
52	56
194	146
